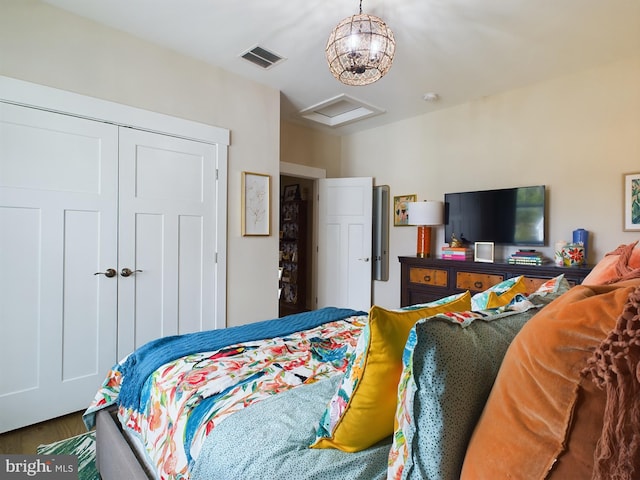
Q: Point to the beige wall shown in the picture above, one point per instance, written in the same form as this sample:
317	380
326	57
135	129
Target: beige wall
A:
577	134
48	46
312	148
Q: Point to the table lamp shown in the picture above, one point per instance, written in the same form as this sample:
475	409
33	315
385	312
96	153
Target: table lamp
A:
425	215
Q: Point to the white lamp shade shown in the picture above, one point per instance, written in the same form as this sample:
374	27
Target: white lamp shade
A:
425	213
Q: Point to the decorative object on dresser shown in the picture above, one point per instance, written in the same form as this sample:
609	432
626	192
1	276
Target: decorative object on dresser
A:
558	259
526	257
293	244
483	252
581	237
457	253
426	279
424	215
573	254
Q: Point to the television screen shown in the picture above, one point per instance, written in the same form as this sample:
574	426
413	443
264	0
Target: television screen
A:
508	216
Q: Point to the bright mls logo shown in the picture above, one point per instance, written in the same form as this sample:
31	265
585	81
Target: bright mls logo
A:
51	467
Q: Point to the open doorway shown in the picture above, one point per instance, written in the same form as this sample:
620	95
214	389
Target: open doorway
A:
300	182
296	245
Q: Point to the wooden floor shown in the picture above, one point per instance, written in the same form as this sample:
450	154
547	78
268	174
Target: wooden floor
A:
26	440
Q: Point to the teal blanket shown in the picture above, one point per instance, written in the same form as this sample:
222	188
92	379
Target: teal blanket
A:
271	439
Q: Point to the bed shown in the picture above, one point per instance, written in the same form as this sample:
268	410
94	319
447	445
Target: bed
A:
333	393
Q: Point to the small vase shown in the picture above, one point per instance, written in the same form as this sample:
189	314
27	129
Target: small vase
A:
573	255
581	237
558	257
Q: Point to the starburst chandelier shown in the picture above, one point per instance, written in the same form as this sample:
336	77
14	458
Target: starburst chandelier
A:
360	49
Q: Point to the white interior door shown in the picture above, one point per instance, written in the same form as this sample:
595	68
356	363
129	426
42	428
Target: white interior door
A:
345	208
167	232
58	226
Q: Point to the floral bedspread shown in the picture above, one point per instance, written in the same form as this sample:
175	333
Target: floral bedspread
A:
185	399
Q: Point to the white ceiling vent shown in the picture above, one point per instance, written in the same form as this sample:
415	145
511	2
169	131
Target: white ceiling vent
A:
340	110
262	57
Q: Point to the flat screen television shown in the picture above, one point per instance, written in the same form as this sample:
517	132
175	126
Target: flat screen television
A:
508	216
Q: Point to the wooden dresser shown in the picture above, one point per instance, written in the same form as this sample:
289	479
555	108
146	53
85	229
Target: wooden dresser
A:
427	279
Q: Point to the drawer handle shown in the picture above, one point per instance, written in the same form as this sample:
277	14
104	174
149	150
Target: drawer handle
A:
478	285
427	278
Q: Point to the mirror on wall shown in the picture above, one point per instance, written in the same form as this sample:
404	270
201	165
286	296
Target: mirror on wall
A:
380	245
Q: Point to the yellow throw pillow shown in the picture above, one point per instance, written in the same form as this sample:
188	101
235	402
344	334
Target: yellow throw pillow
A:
361	413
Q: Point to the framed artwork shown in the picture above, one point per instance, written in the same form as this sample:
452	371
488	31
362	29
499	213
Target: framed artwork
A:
256	204
291	192
483	252
632	202
400	214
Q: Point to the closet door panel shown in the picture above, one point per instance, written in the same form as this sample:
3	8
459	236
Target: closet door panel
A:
19	294
81	298
58	195
167	227
149	251
190	273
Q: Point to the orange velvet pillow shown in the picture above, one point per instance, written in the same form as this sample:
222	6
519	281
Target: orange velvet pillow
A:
621	264
586	427
526	420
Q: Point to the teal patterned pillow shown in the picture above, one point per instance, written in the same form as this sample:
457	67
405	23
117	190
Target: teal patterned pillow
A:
448	372
480	300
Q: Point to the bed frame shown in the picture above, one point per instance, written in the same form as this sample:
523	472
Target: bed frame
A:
116	457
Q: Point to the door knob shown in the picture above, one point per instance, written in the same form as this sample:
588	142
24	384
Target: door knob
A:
365	259
109	273
126	272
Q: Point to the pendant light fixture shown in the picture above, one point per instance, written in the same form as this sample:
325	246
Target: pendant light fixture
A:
360	49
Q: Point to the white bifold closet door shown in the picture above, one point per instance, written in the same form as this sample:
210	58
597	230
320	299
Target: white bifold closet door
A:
77	198
167	211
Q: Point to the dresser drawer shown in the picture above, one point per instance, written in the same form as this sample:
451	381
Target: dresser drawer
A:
429	276
476	281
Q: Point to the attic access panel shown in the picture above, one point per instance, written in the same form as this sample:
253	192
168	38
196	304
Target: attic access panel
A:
340	110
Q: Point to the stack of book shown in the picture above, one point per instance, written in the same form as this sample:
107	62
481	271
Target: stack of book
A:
457	253
526	257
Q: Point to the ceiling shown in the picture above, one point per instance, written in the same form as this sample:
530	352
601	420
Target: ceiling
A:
461	50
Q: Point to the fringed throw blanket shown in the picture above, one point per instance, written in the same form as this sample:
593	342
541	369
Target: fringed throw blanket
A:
615	368
623	270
